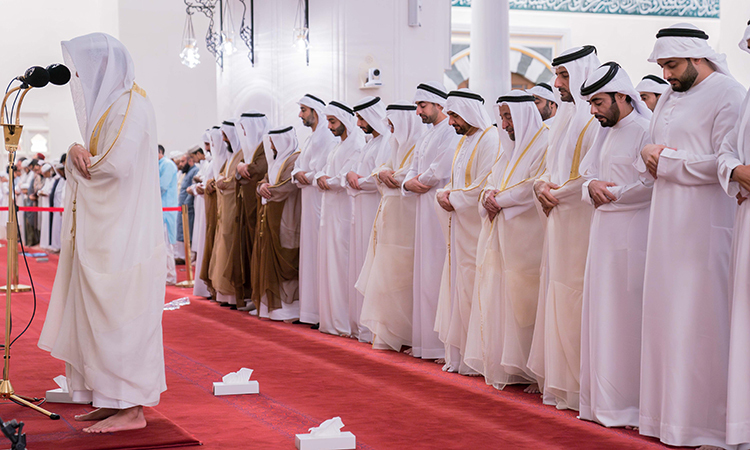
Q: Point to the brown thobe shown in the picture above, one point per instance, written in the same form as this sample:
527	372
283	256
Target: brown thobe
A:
209	201
275	274
247	210
222	259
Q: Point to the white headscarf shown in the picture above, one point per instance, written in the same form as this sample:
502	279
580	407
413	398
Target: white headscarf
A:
544	91
745	37
431	92
285	141
526	119
470	106
46	167
253	126
206	138
571	118
372	110
407	130
610	77
649	83
345	115
102	71
317	105
685	40
223	155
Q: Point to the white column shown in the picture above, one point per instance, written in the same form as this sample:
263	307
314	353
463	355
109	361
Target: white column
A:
490	49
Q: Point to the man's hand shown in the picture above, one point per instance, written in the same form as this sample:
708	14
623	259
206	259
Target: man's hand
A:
543	191
81	159
302	178
264	191
199	189
443	199
223	183
242	170
740	198
741	174
414	185
386	176
489	203
323	183
650	155
600	194
353	179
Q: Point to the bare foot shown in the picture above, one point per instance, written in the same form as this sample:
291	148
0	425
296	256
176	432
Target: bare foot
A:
440	361
409	352
97	414
532	389
473	374
710	447
123	420
628	427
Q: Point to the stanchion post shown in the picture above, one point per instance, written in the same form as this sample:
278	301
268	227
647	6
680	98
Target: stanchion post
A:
188	260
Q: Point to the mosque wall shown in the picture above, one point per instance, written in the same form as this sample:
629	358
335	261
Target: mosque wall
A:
346	39
625	38
30	35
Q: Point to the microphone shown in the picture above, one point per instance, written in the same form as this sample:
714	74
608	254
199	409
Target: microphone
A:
35	77
58	74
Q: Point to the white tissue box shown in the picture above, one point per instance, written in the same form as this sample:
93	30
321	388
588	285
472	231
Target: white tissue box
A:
60	396
345	441
251	387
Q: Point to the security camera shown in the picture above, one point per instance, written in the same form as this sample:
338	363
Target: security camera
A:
373	78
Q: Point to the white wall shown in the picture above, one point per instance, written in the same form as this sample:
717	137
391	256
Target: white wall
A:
347	37
629	39
30	34
184	99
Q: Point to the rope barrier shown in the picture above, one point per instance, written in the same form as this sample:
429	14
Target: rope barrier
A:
50	209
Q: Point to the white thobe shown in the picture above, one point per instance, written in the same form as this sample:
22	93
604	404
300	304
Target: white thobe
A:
735	151
44	238
432	163
685	295
386	277
509	253
474	158
556	345
199	230
105	309
312	159
365	203
613	281
334	290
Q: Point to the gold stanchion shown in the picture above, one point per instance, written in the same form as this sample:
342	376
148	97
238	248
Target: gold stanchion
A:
12	134
188	260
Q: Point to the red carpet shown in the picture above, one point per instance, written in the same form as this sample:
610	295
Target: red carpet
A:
388	400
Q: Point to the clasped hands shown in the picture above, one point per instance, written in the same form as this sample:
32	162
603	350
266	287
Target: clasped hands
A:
600	194
490	204
543	192
81	159
416	186
385	176
650	155
264	191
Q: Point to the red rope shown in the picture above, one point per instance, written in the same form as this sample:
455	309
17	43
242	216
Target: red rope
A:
40	209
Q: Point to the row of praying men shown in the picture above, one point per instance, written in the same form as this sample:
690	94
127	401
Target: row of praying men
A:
601	260
37	184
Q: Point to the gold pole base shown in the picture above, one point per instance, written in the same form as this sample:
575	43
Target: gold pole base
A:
6	392
185	284
16	288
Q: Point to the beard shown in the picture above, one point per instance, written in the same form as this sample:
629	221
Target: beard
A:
565	95
611	118
368	129
338	131
686	80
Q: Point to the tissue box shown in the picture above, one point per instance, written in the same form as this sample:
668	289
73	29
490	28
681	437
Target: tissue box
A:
60	396
345	441
251	387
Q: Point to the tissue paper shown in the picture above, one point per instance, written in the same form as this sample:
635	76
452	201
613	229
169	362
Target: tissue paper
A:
331	427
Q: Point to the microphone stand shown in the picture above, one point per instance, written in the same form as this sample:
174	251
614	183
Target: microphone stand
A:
12	135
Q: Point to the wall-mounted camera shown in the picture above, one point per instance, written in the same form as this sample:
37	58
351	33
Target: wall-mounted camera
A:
373	78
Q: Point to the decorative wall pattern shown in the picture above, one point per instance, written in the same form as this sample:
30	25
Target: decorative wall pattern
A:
680	8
